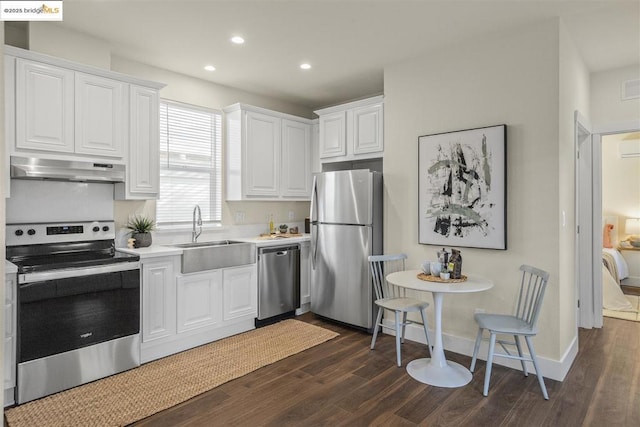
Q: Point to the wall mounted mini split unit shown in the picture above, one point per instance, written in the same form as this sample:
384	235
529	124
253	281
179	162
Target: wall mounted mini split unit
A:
629	149
631	89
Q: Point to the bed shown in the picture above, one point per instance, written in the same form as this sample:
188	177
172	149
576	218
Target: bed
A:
611	257
614	269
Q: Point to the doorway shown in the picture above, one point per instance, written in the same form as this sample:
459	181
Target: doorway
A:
589	216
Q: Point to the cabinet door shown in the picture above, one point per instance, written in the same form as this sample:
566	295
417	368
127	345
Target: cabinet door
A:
262	155
100	115
333	131
199	300
10	333
305	272
367	129
240	290
44	107
296	159
143	165
158	300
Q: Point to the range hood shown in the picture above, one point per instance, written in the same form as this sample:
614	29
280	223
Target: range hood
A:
66	170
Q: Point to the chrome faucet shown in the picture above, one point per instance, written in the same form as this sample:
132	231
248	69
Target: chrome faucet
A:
196	221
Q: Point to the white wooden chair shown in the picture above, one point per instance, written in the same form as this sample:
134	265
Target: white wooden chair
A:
391	297
523	323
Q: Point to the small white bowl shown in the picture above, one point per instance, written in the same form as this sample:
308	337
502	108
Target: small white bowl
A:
435	269
426	267
444	275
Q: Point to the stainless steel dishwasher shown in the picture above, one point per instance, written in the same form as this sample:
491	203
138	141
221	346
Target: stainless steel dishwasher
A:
278	282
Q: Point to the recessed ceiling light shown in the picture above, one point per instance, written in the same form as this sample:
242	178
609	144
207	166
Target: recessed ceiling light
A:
237	39
305	66
209	68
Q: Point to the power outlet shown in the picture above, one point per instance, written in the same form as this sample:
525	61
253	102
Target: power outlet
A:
239	217
292	215
479	310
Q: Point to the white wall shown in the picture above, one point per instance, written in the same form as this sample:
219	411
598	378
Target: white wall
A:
53	39
573	95
620	182
607	106
505	78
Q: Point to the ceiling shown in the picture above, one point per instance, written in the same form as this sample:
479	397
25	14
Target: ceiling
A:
347	42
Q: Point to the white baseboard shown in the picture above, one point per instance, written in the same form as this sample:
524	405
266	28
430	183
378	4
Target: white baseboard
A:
553	369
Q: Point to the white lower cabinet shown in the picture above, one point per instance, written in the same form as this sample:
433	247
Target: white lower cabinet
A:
305	275
182	311
240	293
198	300
158	298
9	339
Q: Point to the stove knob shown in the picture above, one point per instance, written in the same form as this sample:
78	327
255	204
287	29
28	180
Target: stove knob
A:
96	229
31	232
19	232
105	228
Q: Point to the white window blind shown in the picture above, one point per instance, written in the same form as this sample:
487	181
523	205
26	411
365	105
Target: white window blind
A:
190	163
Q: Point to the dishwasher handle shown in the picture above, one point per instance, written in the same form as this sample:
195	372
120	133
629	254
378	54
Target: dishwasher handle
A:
279	250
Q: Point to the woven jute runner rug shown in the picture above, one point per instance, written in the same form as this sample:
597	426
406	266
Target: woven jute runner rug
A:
133	395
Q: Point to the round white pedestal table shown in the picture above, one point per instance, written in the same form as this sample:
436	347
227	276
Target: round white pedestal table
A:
437	370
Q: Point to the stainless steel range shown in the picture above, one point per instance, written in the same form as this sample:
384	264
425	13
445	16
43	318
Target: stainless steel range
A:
78	305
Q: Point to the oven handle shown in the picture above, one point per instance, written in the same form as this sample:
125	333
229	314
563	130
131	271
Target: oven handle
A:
76	272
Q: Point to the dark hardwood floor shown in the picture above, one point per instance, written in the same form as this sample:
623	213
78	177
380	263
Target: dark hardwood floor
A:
343	383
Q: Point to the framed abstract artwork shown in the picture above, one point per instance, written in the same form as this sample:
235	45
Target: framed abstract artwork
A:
462	186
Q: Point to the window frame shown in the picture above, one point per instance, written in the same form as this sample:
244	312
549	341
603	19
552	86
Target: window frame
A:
215	173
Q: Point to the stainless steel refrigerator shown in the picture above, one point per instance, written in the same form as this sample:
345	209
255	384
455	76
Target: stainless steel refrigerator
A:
346	227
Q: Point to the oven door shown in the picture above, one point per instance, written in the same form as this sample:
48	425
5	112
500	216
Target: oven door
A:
76	326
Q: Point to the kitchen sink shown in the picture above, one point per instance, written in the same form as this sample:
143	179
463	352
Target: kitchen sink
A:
202	256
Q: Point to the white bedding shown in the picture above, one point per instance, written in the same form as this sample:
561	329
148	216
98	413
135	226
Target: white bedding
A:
623	268
612	296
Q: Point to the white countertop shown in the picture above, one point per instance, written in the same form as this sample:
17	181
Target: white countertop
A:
274	241
154	251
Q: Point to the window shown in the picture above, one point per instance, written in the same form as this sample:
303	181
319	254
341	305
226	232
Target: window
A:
190	164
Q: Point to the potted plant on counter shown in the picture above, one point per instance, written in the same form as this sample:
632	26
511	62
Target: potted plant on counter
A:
141	227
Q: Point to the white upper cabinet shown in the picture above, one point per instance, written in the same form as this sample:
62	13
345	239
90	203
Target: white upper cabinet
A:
296	159
143	165
333	134
352	131
100	115
56	108
44	107
262	154
268	155
367	129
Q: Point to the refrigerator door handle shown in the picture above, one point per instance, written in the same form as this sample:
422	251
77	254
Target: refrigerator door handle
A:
314	224
314	245
313	214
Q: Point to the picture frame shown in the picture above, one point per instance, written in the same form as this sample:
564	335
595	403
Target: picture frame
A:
462	186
